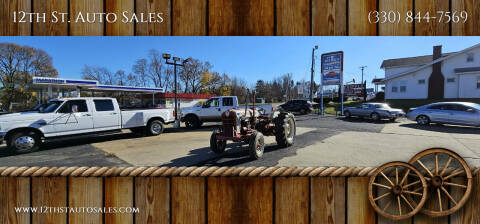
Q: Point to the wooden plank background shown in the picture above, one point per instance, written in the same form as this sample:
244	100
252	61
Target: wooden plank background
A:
208	200
245	17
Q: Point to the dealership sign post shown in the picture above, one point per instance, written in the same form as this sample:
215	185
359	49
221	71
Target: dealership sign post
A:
332	73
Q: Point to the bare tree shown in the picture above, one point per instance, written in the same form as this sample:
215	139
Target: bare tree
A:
192	74
18	64
140	68
101	74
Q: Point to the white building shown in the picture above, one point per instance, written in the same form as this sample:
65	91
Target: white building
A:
454	75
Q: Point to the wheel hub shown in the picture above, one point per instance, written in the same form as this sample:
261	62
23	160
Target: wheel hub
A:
437	181
156	128
25	142
397	190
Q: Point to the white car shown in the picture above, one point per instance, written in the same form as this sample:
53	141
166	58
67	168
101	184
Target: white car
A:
212	109
74	116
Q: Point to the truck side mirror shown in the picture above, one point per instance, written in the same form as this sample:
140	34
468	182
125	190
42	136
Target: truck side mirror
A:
74	109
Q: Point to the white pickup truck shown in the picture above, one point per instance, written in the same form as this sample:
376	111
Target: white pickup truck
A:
75	116
212	109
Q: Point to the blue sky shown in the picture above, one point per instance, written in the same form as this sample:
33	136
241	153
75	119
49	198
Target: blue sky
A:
252	58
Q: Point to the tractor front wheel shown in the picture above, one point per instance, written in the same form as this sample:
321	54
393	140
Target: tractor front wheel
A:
217	146
256	145
285	129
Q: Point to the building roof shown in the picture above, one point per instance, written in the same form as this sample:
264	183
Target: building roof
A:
185	95
410	61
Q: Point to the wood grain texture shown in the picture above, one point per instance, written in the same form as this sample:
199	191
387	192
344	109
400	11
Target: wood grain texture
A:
291	199
152	198
118	193
392	209
293	17
240	200
472	26
329	17
77	27
470	212
359	209
425	219
7	26
189	17
14	192
48	28
246	17
327	200
153	28
85	192
433	28
396	29
49	192
358	24
188	198
119	28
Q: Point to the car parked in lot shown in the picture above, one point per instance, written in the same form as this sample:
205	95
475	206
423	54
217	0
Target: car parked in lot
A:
75	116
212	109
460	113
375	111
299	106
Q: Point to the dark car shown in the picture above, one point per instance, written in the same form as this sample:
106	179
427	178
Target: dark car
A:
300	106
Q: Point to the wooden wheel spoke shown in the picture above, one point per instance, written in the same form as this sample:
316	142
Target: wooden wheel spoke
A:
408	203
455	185
448	195
436	163
415	175
411	184
405	177
439	199
388	179
412	192
399	205
382	196
420	188
454	174
381	185
425	168
396	175
388	205
446	166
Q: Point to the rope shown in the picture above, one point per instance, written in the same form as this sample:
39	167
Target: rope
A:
203	171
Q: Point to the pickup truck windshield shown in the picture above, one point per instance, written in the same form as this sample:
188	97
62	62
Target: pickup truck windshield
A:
50	107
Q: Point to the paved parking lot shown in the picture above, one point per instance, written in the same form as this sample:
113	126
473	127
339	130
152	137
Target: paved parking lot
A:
321	141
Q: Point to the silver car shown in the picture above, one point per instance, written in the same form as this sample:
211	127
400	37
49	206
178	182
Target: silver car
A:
461	113
375	111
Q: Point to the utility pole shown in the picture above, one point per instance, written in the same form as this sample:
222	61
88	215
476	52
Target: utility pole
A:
364	86
175	64
312	83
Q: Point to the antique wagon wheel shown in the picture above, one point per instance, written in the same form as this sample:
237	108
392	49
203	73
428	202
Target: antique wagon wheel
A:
391	190
440	168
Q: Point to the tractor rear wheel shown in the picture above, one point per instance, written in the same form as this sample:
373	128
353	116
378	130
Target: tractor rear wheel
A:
217	146
256	145
285	129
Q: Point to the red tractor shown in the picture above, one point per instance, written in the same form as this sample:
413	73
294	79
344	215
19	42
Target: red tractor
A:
249	125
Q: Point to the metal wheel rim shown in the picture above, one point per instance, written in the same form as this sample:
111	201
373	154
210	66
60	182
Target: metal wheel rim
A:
417	159
289	126
375	117
422	120
24	143
399	181
156	128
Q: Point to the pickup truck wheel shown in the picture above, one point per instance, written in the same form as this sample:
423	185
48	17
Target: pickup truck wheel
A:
217	146
155	127
192	122
256	145
393	119
303	111
23	142
285	129
375	116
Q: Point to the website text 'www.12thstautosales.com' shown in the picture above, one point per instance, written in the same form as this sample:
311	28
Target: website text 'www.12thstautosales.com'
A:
86	210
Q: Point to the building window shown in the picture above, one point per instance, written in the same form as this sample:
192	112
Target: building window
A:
470	57
403	89
451	80
395	89
421	81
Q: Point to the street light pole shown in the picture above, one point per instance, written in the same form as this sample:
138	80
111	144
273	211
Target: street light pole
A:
312	84
363	86
175	64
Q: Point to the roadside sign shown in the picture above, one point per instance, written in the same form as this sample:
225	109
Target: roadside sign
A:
332	68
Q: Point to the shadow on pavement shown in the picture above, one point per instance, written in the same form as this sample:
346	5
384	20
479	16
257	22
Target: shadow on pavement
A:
444	128
364	120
